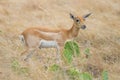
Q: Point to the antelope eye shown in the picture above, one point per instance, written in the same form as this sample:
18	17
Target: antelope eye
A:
77	20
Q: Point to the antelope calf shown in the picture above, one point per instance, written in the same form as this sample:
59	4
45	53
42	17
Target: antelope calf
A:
41	37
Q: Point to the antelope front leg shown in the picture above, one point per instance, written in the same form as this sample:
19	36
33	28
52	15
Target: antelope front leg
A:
58	54
59	51
29	55
24	52
27	51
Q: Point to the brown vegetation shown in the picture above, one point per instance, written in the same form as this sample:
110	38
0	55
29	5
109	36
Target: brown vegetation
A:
102	36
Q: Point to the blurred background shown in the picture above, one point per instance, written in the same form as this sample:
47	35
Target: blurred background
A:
102	37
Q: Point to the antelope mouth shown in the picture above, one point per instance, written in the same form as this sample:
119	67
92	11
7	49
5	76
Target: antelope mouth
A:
83	27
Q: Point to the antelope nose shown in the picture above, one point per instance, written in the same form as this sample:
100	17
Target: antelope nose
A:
83	26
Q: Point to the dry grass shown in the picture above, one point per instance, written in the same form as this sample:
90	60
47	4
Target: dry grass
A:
102	36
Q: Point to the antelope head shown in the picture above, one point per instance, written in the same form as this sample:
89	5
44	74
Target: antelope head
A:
79	21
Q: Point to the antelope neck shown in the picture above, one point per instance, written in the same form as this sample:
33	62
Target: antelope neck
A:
73	31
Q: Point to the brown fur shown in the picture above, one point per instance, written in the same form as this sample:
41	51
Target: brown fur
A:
33	35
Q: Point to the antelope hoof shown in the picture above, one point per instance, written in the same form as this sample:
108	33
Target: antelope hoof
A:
26	59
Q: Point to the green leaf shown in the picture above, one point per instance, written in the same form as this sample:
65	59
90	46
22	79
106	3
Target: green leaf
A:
87	51
54	67
71	48
104	75
76	48
73	72
23	70
68	55
15	65
85	76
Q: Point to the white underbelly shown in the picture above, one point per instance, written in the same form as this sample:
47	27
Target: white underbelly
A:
48	44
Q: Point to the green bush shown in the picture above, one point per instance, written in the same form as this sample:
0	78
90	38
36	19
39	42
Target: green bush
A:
87	52
17	67
71	49
74	74
54	67
85	76
104	75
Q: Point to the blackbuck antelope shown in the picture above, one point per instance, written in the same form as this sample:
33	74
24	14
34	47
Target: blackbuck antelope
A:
41	37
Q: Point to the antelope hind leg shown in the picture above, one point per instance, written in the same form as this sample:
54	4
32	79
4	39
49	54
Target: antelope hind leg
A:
29	55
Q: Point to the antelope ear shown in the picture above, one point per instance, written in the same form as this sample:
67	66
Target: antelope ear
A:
87	15
72	16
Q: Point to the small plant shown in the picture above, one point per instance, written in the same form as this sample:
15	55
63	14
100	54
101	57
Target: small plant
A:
17	67
87	52
68	55
71	49
54	67
23	70
74	74
85	76
104	75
